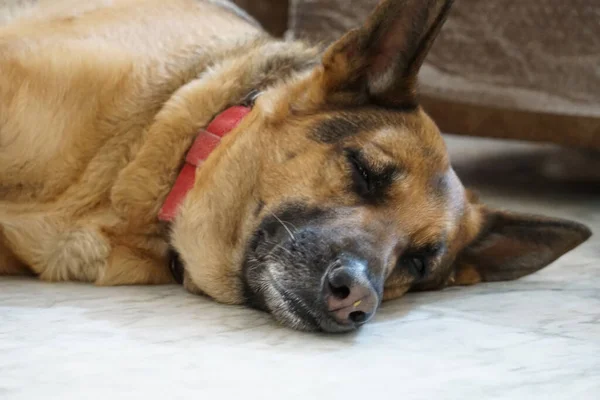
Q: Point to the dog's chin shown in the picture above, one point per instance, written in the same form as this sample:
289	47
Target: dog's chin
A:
265	293
289	311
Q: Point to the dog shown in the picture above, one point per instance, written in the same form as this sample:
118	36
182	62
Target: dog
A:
331	192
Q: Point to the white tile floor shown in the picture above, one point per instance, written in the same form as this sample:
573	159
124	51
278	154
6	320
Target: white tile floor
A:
537	338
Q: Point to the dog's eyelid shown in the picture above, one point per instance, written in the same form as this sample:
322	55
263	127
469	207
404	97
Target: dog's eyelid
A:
354	153
375	168
361	174
420	260
370	179
428	251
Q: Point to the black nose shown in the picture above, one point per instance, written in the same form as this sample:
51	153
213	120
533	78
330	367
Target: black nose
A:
349	296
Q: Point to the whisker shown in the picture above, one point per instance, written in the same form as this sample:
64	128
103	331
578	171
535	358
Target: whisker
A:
282	224
278	246
293	226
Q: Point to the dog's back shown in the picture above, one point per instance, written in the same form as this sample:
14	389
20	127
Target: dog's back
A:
80	83
76	80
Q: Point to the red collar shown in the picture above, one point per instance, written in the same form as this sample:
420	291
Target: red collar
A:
206	141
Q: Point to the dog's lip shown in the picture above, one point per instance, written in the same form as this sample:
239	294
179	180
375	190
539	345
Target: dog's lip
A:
306	315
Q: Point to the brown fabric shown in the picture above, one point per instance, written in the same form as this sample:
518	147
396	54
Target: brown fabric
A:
513	68
544	55
483	120
272	14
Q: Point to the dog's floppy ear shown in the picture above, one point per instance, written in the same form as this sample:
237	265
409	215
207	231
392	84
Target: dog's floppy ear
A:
379	62
510	246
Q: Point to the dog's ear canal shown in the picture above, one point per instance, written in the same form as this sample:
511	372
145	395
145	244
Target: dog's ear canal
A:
510	246
379	62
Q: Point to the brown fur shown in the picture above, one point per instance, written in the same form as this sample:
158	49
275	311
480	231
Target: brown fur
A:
99	105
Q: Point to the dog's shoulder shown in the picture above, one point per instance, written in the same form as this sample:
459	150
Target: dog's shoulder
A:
83	94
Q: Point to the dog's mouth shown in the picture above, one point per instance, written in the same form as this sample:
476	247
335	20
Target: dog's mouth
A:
308	285
265	290
176	266
289	309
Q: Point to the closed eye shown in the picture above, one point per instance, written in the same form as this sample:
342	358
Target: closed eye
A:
416	266
361	176
419	262
370	183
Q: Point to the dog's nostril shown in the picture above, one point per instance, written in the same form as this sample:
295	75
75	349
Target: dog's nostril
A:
340	292
349	296
358	317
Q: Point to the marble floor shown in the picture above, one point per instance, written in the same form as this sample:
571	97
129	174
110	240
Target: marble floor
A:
536	338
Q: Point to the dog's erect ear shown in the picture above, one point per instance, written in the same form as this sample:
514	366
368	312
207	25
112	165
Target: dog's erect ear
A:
379	62
511	245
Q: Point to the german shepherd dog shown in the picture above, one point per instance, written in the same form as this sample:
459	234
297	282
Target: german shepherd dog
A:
333	193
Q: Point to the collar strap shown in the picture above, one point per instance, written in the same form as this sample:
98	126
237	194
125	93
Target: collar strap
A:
206	141
204	144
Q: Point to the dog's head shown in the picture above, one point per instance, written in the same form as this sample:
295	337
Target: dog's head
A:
336	192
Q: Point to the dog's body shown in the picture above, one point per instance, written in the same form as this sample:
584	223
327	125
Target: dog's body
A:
100	102
100	76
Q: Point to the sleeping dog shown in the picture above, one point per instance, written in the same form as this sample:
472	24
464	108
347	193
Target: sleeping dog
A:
152	141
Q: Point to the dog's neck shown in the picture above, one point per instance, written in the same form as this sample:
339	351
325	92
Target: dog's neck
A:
276	65
206	141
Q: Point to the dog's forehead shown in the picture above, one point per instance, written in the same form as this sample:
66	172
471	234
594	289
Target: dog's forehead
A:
339	125
393	131
410	143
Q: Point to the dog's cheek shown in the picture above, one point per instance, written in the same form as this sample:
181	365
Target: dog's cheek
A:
211	267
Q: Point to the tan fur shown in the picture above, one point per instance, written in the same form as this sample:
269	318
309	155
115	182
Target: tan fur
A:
96	77
100	102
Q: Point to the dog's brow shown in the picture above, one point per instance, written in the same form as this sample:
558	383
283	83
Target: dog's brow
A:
384	151
330	130
346	124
